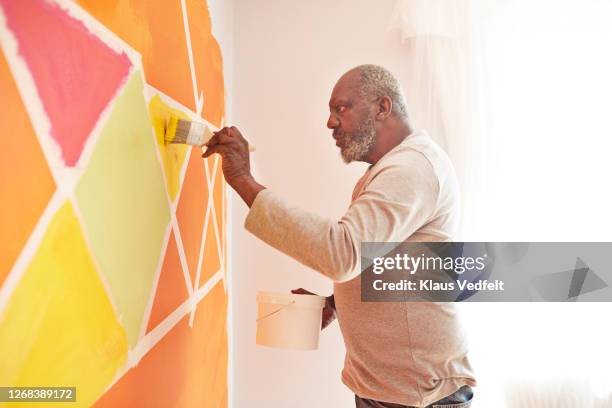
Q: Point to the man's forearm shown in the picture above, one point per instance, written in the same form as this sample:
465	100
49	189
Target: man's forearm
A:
322	244
247	188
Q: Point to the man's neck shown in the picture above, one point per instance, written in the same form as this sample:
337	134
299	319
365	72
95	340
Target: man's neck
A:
387	141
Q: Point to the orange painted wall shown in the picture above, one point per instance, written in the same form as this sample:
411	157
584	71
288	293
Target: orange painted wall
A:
112	274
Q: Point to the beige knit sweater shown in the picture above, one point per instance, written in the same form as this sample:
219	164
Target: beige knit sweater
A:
411	353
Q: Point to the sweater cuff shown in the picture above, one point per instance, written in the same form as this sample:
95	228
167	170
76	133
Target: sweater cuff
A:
254	220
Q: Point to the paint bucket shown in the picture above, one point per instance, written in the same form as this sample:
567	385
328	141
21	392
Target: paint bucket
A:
289	321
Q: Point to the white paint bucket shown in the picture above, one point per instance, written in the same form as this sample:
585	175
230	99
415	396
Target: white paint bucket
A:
289	321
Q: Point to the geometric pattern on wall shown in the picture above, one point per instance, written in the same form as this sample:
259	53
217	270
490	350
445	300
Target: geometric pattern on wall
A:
87	79
21	161
114	243
180	368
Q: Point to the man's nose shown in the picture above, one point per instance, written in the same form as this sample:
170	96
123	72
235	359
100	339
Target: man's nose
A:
332	122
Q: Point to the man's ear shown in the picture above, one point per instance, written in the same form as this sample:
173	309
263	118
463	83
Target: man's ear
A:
385	106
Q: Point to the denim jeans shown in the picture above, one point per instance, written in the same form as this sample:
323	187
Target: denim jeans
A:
462	398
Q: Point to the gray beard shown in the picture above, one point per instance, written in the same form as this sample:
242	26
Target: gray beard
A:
358	143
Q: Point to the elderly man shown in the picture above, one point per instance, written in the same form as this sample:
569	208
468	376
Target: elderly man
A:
398	354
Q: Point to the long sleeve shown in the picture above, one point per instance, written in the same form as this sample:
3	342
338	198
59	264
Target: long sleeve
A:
418	354
396	202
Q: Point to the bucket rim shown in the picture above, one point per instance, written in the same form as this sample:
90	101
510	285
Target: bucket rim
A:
313	301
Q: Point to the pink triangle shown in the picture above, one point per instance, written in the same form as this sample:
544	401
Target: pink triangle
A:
75	73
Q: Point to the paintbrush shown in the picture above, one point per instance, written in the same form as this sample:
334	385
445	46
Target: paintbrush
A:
188	132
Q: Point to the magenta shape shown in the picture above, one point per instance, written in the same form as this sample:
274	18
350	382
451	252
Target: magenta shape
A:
75	73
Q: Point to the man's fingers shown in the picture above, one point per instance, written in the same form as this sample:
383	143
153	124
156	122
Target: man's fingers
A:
207	153
221	137
217	136
237	135
226	136
229	133
301	291
222	150
213	140
221	143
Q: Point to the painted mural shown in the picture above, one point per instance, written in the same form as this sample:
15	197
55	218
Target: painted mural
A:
113	243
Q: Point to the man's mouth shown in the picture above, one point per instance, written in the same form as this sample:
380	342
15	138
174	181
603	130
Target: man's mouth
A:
338	138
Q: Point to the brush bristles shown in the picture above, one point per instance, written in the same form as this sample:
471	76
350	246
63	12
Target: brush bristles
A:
182	131
178	131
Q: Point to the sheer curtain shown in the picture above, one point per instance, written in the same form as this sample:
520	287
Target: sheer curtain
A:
440	40
520	95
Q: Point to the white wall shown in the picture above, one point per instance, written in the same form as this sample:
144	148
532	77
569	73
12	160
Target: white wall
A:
288	56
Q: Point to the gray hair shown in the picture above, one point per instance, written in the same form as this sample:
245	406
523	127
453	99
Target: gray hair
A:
376	82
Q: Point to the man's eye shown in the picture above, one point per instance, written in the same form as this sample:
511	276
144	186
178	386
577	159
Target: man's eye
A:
340	108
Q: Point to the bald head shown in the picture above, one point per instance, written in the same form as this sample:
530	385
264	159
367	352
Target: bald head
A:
374	82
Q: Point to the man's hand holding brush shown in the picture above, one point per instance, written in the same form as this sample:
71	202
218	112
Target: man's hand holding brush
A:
234	150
